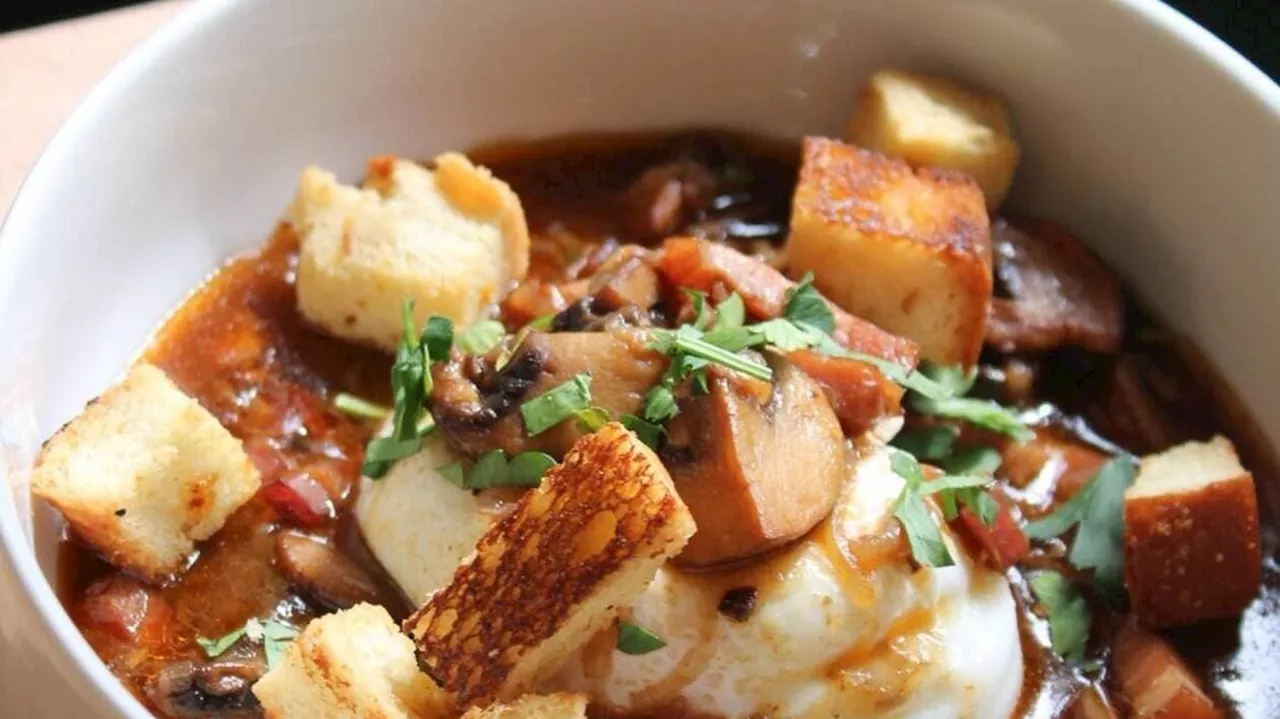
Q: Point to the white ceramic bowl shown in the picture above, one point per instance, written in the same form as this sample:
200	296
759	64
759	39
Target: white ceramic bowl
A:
1152	138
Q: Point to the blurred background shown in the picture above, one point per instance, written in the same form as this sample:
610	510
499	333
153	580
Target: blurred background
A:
1251	26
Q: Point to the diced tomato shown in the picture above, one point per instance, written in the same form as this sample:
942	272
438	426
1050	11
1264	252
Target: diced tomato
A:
124	608
300	497
699	264
1003	543
1154	680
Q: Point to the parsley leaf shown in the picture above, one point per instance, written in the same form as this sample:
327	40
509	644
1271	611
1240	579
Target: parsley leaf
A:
481	337
730	313
437	338
981	412
635	639
972	460
1070	618
927	545
701	317
1097	512
382	452
493	469
687	342
806	306
557	404
526	469
216	647
660	404
275	637
454	473
786	335
591	419
648	432
928	443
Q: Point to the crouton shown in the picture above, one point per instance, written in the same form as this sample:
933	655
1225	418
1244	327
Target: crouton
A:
451	240
1153	680
1192	549
551	706
144	473
933	122
354	663
545	578
909	250
418	525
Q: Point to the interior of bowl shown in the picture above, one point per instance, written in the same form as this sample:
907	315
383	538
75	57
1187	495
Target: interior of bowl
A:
1150	139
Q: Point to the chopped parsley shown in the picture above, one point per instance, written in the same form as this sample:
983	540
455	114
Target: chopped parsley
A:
648	432
591	419
410	388
1097	513
272	634
952	491
955	382
635	639
805	306
481	337
557	404
359	407
1069	616
730	313
928	443
493	469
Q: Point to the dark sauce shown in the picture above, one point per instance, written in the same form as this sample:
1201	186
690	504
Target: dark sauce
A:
239	347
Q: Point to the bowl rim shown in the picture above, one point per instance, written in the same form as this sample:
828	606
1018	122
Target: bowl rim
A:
16	548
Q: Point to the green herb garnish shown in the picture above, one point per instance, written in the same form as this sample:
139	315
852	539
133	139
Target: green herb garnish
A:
688	342
701	317
972	460
492	469
591	419
272	634
557	404
1097	513
923	535
360	407
660	404
276	636
1070	618
929	443
635	639
481	337
980	412
648	432
806	306
730	313
216	647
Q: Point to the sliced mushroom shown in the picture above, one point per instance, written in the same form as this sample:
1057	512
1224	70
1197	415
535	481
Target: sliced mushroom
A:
322	572
1061	293
478	406
758	466
220	688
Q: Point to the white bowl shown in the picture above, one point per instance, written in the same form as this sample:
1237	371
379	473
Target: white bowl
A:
1152	138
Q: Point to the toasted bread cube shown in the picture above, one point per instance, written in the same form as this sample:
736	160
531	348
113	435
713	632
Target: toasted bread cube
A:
933	122
1192	549
1154	681
551	706
144	473
548	576
909	250
354	663
450	239
419	525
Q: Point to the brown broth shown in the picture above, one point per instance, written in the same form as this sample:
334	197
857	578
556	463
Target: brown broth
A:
239	347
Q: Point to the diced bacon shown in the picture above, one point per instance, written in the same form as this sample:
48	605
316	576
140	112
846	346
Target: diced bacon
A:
699	264
124	608
858	393
1154	681
300	497
1000	545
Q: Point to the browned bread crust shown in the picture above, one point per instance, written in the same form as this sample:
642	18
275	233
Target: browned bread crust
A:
548	576
1193	555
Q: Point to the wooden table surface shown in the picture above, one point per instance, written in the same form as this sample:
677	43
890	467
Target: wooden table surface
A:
46	71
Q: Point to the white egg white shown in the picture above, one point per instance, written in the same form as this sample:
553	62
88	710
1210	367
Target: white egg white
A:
838	628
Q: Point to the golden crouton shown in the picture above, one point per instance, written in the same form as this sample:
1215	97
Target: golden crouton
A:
932	122
451	240
144	473
531	706
354	663
545	578
909	250
1192	549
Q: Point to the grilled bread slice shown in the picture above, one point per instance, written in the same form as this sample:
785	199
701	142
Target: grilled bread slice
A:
934	122
144	473
1192	548
532	706
450	239
545	578
354	663
909	250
